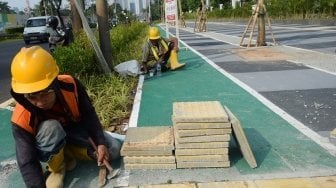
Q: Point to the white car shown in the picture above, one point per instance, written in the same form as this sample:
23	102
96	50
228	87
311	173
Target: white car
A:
36	29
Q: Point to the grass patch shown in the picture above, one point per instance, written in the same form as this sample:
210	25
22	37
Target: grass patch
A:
111	95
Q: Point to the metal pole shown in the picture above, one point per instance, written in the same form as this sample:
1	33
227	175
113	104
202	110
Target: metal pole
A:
149	13
177	25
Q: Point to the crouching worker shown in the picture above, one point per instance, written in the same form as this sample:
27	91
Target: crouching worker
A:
53	120
158	50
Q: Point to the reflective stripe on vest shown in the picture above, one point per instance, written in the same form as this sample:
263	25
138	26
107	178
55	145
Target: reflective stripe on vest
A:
22	117
155	53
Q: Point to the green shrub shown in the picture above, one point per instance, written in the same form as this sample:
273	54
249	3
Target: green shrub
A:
77	58
14	30
126	42
10	36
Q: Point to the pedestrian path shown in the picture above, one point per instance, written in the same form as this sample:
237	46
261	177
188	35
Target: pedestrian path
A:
281	150
283	153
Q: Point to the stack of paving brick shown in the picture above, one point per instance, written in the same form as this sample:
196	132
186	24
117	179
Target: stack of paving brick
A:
149	148
202	134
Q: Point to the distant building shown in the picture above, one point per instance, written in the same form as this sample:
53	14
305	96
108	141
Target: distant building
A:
10	20
136	7
235	3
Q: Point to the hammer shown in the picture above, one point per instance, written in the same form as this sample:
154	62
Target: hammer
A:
102	171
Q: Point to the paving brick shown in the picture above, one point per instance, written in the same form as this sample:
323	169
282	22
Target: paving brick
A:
324	182
281	183
229	184
202	158
139	147
149	166
203	164
206	145
147	137
149	159
242	140
187	185
204	111
203	132
201	125
145	152
196	139
216	151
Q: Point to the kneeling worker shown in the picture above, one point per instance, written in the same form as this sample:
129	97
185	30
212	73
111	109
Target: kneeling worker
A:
53	120
158	50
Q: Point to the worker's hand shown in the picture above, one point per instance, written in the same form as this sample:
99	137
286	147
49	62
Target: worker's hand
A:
102	153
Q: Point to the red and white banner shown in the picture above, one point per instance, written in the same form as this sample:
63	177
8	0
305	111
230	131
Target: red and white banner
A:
171	16
171	10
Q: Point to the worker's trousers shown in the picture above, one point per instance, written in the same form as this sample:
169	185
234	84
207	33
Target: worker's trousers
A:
51	138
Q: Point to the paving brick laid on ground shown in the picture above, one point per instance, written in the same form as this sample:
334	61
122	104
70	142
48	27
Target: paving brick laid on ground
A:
149	148
195	120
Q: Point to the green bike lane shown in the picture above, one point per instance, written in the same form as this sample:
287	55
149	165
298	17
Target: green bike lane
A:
280	149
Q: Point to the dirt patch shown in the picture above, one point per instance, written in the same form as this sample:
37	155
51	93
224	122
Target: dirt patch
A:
260	54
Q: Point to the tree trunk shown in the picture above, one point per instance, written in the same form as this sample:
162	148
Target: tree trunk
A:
261	25
75	18
104	33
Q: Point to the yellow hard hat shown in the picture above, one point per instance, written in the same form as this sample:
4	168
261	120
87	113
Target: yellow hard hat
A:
33	69
154	33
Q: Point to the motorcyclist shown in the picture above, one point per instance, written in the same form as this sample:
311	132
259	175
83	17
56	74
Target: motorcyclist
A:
58	36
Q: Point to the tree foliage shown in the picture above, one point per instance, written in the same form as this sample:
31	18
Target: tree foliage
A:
5	8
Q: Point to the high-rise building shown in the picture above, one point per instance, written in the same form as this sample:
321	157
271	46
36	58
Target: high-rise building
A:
136	6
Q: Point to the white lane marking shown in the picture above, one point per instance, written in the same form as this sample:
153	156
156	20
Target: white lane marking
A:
291	120
287	26
133	122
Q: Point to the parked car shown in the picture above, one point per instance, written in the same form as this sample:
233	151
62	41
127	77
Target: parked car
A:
36	29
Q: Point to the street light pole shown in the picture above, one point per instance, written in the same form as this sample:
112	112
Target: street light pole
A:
149	13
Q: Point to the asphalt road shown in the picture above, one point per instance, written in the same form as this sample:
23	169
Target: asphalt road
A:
8	49
310	37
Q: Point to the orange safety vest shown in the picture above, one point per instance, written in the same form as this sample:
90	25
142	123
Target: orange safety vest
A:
24	118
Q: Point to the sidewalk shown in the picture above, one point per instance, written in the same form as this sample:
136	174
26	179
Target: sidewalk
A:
281	150
285	156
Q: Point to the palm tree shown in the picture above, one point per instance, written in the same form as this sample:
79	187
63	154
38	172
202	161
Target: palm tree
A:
4	8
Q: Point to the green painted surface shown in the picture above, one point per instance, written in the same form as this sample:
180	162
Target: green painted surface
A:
277	146
7	149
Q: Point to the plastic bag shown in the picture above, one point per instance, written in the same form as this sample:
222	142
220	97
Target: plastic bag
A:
128	68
